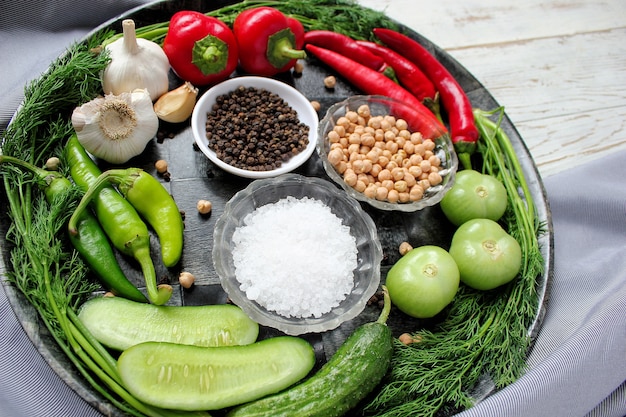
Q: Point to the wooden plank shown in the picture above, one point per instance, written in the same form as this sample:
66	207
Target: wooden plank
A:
546	78
483	22
568	141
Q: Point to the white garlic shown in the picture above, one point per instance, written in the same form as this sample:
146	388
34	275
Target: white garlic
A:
116	128
135	63
176	105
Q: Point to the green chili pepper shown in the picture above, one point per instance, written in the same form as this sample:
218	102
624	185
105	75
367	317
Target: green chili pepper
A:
152	201
93	246
119	220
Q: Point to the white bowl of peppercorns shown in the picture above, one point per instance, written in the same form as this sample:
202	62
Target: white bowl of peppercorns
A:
255	127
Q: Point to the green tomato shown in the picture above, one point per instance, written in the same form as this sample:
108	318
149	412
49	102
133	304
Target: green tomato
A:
423	281
474	196
487	256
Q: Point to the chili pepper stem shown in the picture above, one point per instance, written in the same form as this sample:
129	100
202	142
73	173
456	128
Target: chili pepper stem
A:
158	295
48	176
103	180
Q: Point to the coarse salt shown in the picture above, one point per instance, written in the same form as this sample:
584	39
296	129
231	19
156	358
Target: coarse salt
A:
295	257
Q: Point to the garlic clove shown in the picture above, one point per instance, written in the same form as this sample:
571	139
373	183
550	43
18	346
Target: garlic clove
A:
176	105
116	128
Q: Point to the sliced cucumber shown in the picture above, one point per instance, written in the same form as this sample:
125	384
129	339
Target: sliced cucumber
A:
184	377
120	323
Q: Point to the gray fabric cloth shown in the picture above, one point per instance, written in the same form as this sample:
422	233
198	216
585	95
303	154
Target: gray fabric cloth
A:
578	364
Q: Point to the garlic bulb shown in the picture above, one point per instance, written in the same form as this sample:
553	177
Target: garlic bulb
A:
116	128
135	63
177	105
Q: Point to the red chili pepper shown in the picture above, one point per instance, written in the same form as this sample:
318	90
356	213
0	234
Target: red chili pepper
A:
201	49
409	74
345	46
460	116
372	82
269	42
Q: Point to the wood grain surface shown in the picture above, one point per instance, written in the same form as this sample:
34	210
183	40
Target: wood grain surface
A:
558	67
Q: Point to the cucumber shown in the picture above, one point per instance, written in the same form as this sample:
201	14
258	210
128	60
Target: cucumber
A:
119	323
353	372
191	378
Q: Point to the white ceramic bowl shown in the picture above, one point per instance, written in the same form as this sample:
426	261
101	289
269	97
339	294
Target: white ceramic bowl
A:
297	101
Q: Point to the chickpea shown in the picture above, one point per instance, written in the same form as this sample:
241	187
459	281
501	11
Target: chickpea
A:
360	186
330	82
388	184
368	139
401	186
405	247
404	197
352	116
416	193
415	159
340	129
434	161
397	173
333	136
370	190
375	171
341	167
434	178
429	144
385	174
402	124
357	166
335	156
415	171
364	111
405	134
161	166
186	279
425	166
52	164
381	193
425	184
350	177
372	155
409	179
204	206
393	196
389	136
354	139
416	138
375	122
316	105
409	148
392	147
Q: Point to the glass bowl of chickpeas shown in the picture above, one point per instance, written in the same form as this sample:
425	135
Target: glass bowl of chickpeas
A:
379	156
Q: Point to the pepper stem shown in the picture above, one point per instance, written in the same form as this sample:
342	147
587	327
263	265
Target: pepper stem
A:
280	48
386	306
158	295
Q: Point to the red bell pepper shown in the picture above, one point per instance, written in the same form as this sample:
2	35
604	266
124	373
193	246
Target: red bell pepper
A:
409	74
269	42
372	82
201	49
463	130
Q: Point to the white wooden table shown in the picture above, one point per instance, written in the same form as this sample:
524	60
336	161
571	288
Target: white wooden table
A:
557	66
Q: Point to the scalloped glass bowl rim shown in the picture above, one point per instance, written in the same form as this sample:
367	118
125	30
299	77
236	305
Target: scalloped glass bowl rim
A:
295	99
261	192
379	105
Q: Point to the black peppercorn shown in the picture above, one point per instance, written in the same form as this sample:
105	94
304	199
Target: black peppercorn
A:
255	129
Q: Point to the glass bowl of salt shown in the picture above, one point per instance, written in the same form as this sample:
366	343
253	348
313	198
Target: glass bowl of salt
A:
297	254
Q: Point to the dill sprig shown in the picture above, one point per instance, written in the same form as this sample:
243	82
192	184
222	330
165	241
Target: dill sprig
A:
485	334
343	16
